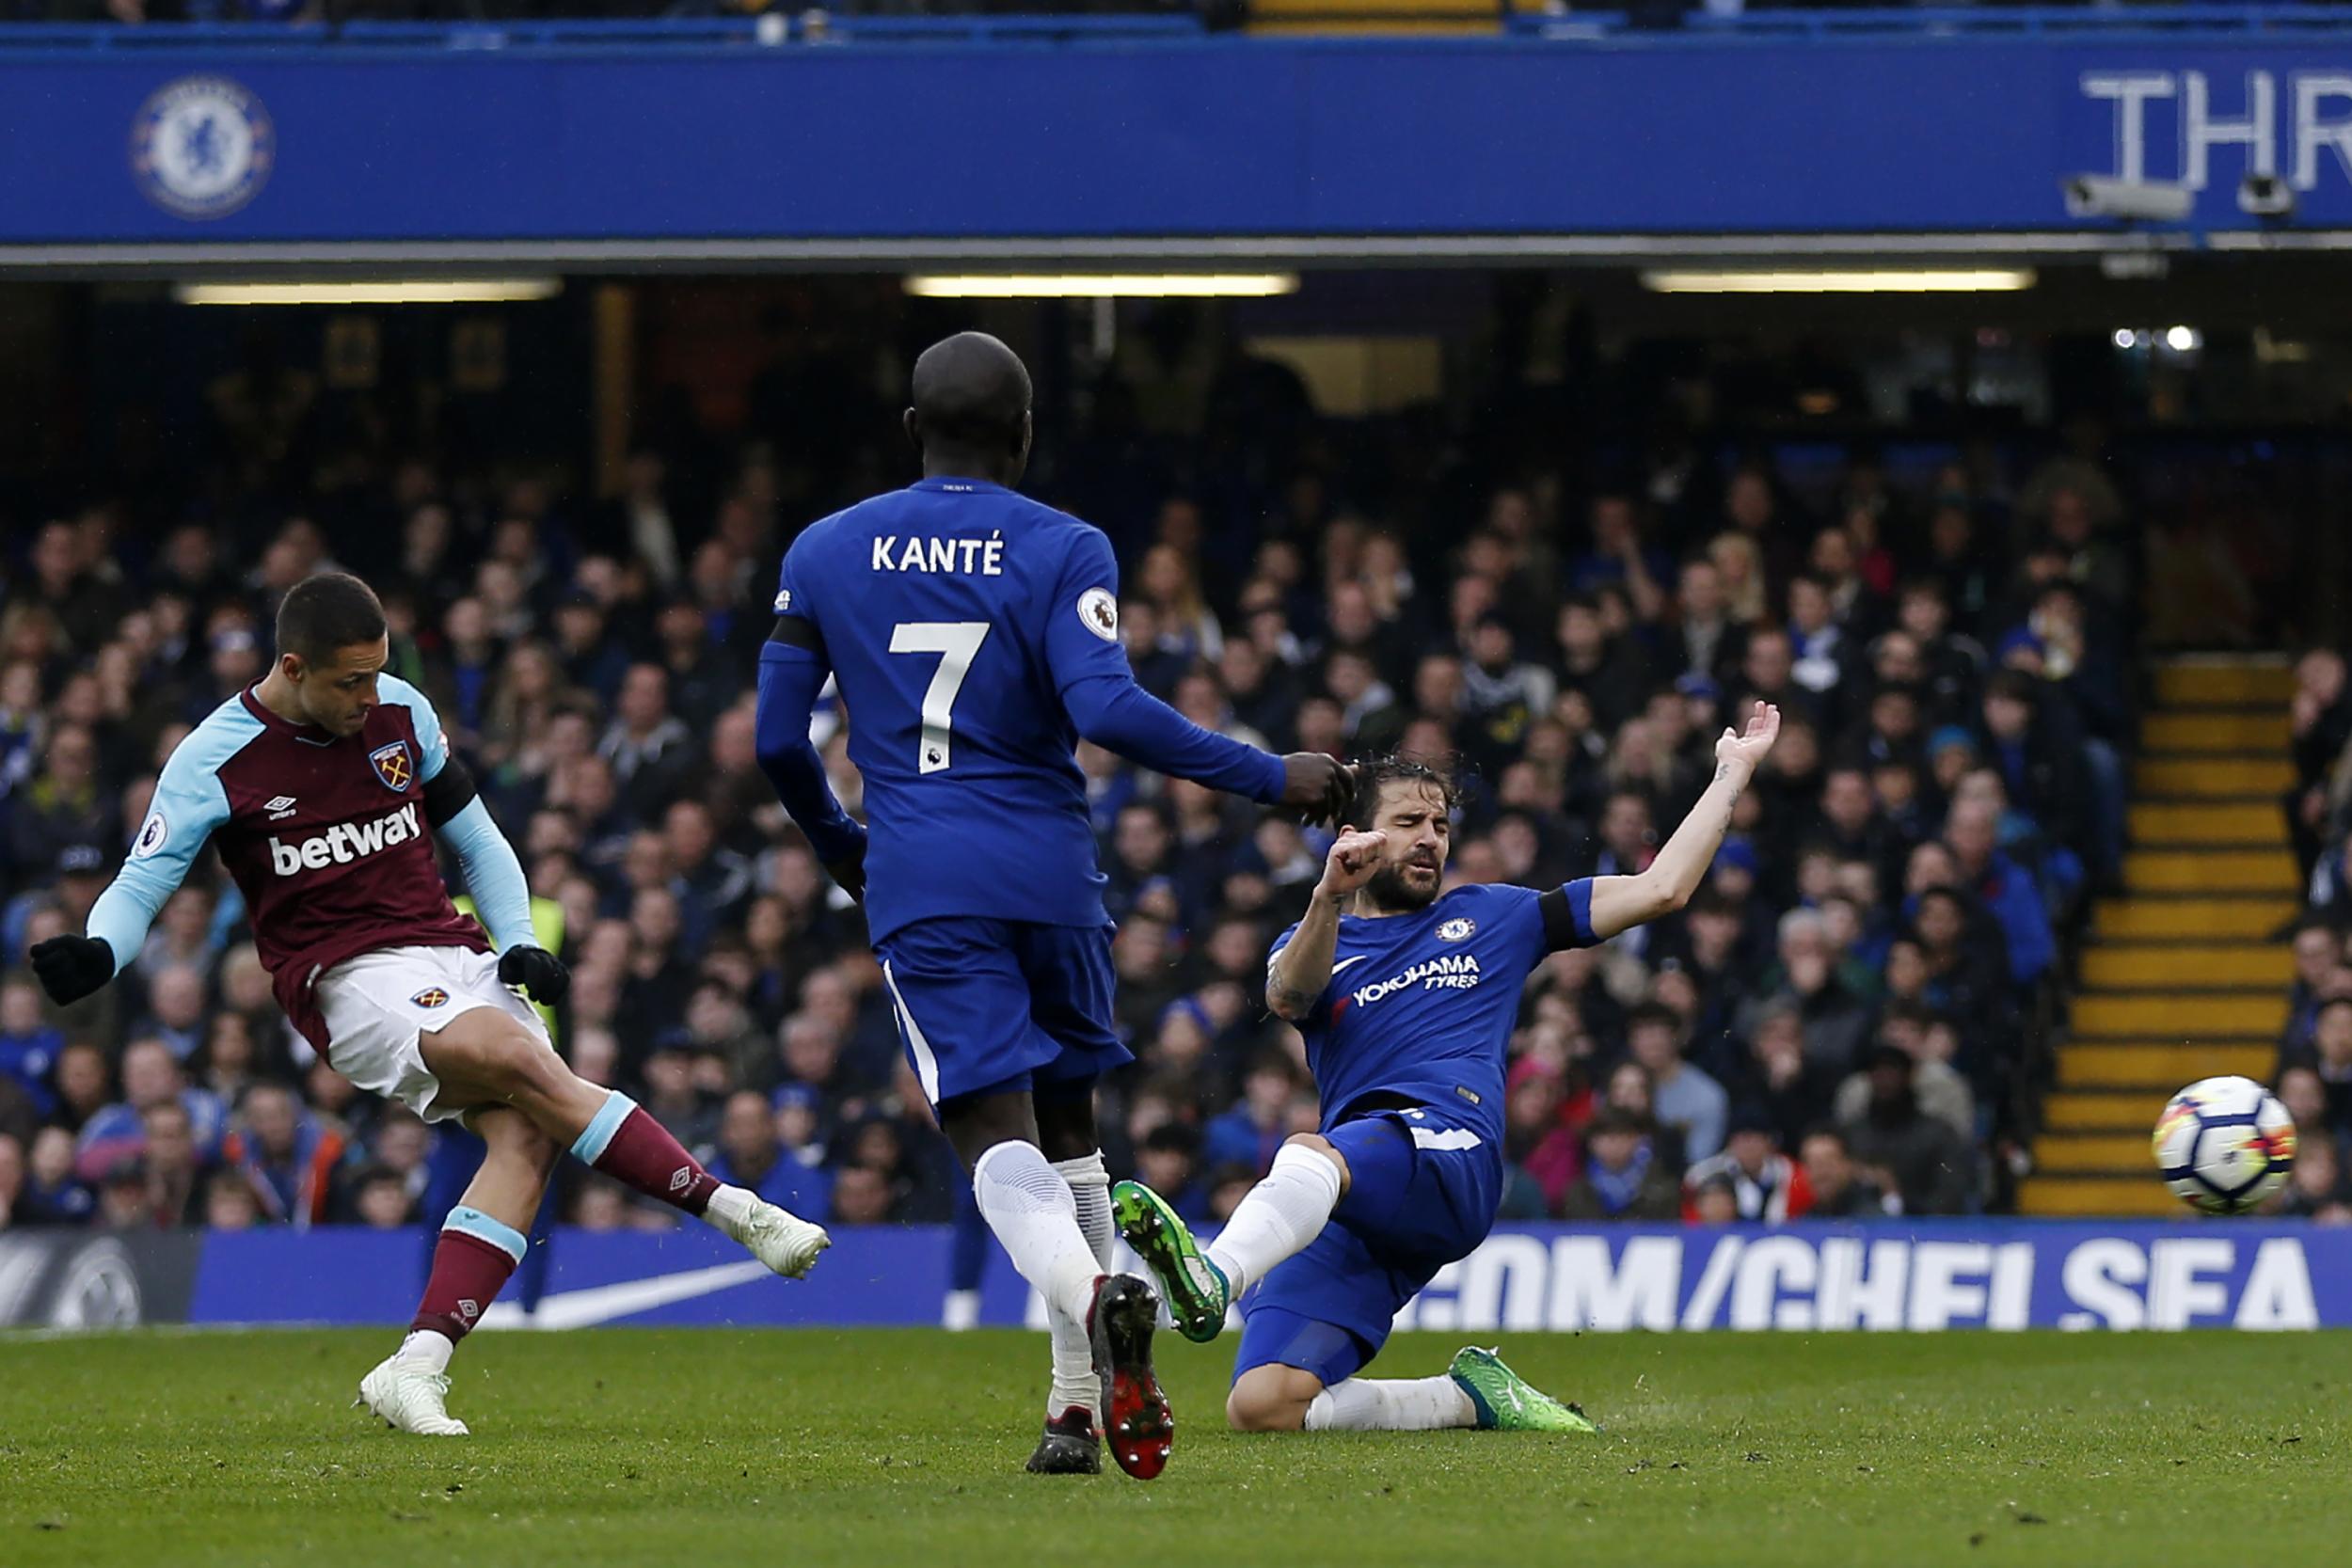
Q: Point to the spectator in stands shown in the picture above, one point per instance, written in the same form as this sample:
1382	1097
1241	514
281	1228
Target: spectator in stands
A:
1171	1153
29	1044
646	745
1916	1155
150	1077
1833	1018
752	1154
1766	1186
12	1178
1971	833
1682	1096
1942	1092
1624	1177
170	1157
1839	1190
2320	975
1539	1140
2320	725
2330	891
54	1194
286	1154
1251	1131
2331	1059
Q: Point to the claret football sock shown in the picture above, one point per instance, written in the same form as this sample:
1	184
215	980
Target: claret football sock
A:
634	1148
1074	1379
1286	1210
1029	1207
1398	1404
470	1265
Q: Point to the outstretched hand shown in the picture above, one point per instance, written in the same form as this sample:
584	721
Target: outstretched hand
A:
1747	751
1318	788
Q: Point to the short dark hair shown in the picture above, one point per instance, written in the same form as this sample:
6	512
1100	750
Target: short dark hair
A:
2012	686
330	610
1172	1137
1656	1014
1373	774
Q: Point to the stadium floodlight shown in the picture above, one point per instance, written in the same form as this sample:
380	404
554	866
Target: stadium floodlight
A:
1107	285
417	291
1847	281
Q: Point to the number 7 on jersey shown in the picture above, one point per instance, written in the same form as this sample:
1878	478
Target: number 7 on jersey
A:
956	642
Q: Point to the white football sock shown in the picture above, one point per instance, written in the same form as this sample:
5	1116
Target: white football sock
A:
1075	1382
728	1208
1404	1404
1029	1207
1285	1210
428	1348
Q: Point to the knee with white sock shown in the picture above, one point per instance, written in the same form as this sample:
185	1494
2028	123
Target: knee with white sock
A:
1030	1206
1287	1209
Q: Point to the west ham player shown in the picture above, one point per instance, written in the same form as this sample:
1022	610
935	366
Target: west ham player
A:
1406	1001
974	637
319	785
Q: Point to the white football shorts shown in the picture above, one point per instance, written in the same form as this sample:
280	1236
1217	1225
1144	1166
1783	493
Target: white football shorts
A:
376	1005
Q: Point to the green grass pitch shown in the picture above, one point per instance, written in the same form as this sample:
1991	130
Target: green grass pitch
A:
815	1447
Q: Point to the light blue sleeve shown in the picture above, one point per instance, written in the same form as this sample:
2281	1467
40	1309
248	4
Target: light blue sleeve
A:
189	803
493	876
431	743
501	896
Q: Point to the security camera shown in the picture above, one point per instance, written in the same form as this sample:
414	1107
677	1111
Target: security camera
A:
2097	196
2265	196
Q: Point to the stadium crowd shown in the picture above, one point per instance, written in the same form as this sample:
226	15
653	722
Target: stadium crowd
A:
2314	1077
1843	1022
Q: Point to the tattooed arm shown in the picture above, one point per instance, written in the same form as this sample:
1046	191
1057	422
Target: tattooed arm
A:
1620	903
1295	976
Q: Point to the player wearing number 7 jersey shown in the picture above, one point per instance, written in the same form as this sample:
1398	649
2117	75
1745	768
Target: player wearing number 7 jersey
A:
974	635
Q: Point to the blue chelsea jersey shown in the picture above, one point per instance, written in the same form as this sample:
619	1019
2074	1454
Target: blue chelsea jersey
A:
954	613
1421	1006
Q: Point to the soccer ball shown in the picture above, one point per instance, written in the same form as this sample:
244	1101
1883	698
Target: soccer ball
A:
2224	1144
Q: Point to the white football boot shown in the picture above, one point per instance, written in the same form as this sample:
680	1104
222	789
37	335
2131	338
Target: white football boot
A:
776	1236
411	1398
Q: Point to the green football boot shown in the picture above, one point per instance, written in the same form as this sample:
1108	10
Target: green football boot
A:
1195	1289
1506	1401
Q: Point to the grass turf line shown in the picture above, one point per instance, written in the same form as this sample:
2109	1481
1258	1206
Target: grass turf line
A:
624	1446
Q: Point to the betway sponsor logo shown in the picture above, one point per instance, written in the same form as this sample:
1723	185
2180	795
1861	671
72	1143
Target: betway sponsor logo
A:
344	841
1454	971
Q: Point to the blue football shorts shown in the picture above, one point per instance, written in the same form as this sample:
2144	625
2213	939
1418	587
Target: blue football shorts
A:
1422	1193
1000	1006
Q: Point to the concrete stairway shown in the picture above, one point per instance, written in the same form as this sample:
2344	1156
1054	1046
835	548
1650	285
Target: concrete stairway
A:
2183	975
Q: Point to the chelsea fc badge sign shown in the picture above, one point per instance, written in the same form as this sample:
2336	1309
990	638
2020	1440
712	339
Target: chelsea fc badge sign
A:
201	147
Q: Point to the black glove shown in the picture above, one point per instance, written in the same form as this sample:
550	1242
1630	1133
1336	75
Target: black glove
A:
73	967
540	972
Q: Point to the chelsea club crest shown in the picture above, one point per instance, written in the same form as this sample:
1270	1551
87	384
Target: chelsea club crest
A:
201	147
1461	928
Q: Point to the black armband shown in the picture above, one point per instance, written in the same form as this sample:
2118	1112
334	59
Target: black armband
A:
798	631
1559	917
448	792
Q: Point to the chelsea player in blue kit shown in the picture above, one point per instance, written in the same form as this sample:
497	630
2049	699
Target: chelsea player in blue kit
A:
1407	1000
974	635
